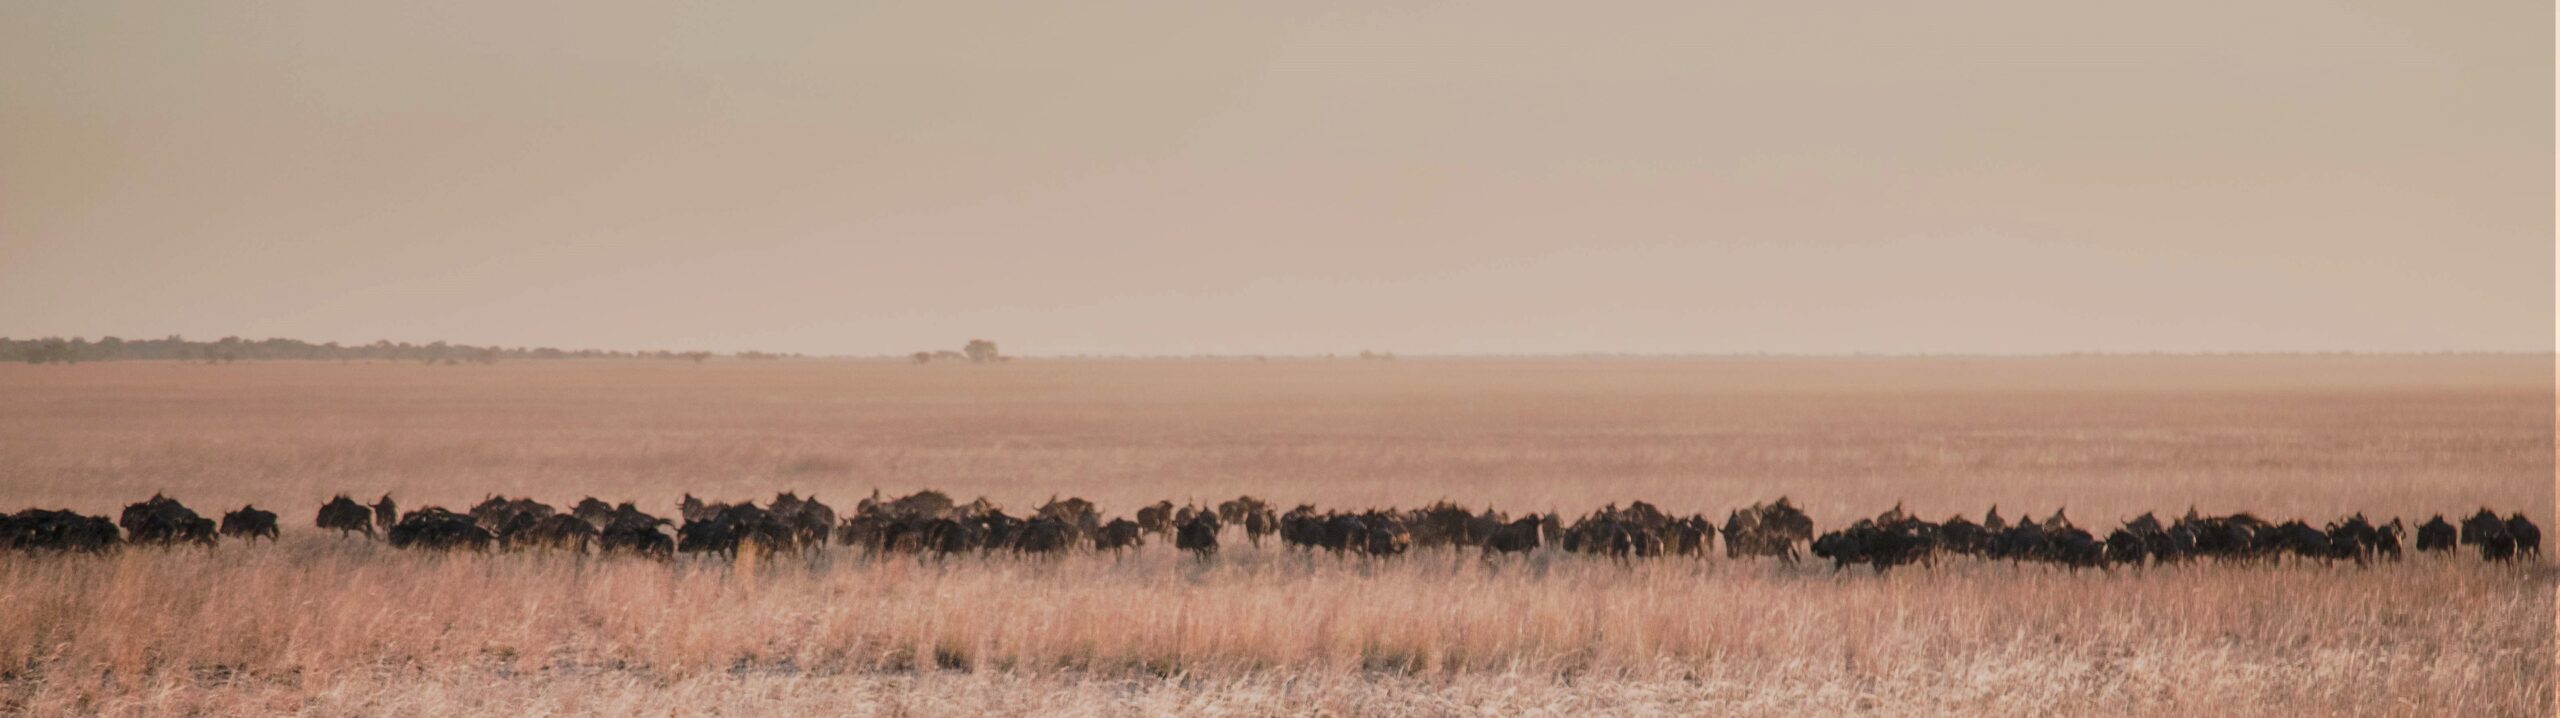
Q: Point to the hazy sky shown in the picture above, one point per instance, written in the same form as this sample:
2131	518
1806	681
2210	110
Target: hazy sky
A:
1178	177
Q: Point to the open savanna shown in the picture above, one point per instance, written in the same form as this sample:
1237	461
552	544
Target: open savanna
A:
317	625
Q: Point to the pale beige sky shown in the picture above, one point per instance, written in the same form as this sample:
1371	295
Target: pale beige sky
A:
1287	177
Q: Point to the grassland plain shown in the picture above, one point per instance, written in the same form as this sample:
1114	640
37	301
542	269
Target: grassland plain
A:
321	626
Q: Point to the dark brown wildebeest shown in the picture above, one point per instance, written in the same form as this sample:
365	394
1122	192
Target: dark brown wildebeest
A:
561	532
2488	532
947	537
1387	535
2237	537
385	513
1302	528
634	532
438	529
1044	535
346	516
63	530
1198	535
1233	512
1960	535
2527	536
1156	518
695	510
250	522
808	519
2301	540
1767	530
2437	535
1694	536
594	511
926	504
1119	535
503	515
2386	539
994	530
1260	521
2355	537
163	521
1078	515
1442	524
1520	536
732	528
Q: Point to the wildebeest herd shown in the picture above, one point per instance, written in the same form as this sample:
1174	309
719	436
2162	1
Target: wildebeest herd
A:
930	524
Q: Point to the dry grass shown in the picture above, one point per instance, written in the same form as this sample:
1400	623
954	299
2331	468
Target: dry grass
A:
324	627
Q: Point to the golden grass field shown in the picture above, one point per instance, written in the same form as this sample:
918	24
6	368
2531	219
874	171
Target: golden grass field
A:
322	626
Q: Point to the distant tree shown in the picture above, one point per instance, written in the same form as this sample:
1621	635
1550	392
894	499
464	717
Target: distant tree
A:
696	356
980	351
921	357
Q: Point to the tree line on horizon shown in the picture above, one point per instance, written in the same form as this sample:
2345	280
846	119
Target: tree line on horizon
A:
58	350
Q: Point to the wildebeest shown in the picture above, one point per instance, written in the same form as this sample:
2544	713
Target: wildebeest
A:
1260	521
2488	532
1960	535
808	519
731	528
594	511
922	504
1386	535
2527	536
1442	524
1767	530
507	518
163	521
1521	536
436	528
2356	537
1077	515
1302	528
57	530
2437	535
346	516
250	522
385	513
557	531
2299	539
2237	537
1890	539
1198	535
634	532
1044	535
695	510
1119	535
1156	518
